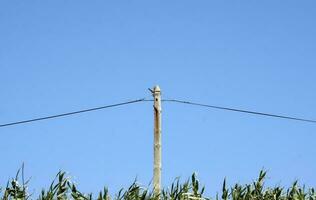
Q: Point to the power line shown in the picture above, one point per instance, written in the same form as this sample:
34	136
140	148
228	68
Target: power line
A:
71	113
163	100
239	110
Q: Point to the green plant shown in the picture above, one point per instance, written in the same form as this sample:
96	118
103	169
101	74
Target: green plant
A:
63	189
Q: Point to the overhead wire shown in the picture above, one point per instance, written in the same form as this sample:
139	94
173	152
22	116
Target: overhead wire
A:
239	110
71	113
163	100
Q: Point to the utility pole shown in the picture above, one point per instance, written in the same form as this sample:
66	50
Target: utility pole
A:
157	139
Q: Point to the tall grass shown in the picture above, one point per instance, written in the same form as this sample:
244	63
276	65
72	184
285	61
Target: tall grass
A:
64	189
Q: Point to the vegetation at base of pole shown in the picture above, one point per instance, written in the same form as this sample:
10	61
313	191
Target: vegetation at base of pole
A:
62	188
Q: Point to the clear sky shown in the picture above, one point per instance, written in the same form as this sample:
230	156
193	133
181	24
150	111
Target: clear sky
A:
60	56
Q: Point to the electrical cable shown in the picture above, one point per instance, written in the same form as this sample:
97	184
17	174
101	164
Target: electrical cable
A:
239	110
71	113
163	100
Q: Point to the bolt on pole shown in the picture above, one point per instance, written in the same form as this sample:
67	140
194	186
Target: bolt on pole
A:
157	139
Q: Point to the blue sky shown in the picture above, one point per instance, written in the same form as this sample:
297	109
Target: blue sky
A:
62	56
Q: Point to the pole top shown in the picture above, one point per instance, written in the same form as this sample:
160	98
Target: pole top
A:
156	89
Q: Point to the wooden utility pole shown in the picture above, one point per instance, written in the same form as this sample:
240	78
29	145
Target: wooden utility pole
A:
157	139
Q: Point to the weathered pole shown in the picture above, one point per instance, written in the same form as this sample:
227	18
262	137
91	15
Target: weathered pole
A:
157	139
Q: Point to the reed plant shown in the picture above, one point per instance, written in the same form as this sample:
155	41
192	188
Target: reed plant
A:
62	188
